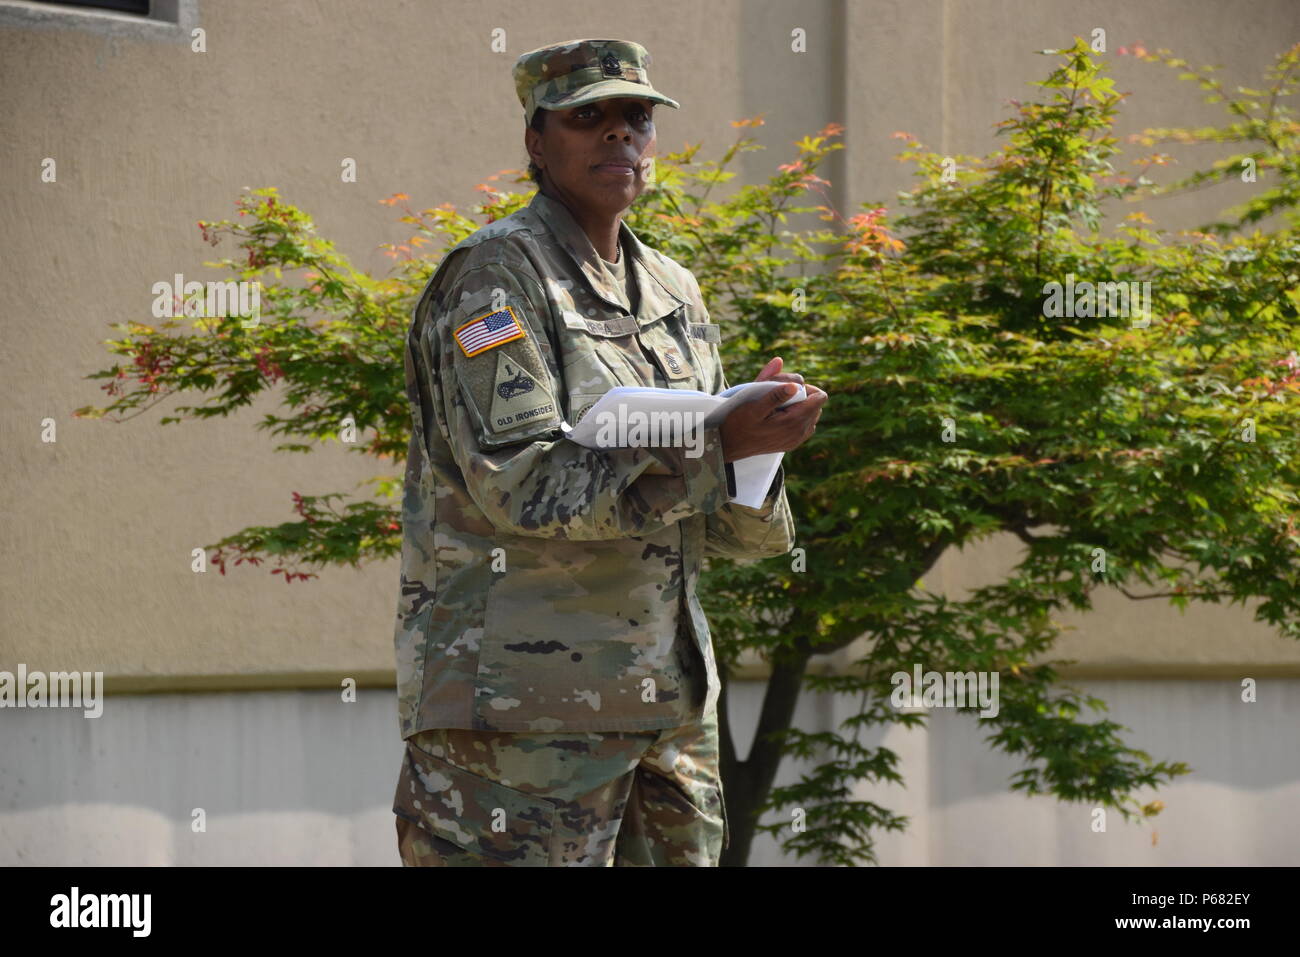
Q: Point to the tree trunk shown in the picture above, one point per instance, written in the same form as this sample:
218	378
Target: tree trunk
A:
745	784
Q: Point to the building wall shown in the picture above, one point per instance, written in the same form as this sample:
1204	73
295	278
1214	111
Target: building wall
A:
150	137
302	778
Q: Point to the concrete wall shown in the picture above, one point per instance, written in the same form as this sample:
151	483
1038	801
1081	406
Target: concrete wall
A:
150	136
301	778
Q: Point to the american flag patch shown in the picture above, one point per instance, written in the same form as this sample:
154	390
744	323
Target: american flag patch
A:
488	331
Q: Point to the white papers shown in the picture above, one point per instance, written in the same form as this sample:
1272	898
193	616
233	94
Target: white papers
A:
628	404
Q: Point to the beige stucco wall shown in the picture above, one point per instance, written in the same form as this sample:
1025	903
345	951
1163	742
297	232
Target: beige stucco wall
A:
150	137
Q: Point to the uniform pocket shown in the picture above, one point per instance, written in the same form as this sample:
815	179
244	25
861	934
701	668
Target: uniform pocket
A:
475	813
580	403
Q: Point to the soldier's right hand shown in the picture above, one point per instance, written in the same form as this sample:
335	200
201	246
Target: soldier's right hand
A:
760	426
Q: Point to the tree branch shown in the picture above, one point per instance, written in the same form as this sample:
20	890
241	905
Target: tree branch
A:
1171	594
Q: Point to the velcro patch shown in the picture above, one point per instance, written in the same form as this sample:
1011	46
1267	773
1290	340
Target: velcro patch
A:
518	398
672	360
708	331
491	329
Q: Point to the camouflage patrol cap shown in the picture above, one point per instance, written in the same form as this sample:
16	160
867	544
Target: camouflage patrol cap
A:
564	75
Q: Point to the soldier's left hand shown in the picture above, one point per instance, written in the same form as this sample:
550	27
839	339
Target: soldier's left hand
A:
773	372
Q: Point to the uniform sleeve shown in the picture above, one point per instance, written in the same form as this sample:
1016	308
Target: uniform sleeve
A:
736	531
502	398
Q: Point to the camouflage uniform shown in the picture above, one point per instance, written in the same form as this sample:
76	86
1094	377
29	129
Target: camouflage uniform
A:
553	660
589	799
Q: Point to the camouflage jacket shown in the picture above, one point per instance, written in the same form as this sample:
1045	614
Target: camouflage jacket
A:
543	583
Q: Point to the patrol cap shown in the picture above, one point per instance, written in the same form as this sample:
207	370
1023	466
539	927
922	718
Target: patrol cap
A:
564	75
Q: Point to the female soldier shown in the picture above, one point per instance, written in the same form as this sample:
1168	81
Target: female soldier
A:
556	678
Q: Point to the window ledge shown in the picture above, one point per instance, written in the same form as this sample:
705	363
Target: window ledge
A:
169	21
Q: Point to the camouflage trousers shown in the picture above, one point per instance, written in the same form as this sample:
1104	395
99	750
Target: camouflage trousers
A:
577	799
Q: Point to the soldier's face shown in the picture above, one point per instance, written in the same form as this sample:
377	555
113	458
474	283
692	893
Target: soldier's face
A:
597	156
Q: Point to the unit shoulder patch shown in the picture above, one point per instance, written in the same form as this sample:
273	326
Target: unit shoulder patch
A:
505	379
518	398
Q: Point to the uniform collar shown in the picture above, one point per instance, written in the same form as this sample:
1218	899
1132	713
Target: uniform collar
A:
656	299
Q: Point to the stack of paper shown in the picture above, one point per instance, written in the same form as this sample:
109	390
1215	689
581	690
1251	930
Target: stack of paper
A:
630	404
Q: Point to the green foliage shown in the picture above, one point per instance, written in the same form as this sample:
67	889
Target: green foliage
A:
1159	459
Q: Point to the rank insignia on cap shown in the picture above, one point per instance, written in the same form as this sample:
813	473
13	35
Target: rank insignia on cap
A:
610	66
488	331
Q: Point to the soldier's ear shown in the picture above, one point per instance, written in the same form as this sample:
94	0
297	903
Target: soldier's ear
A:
533	144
